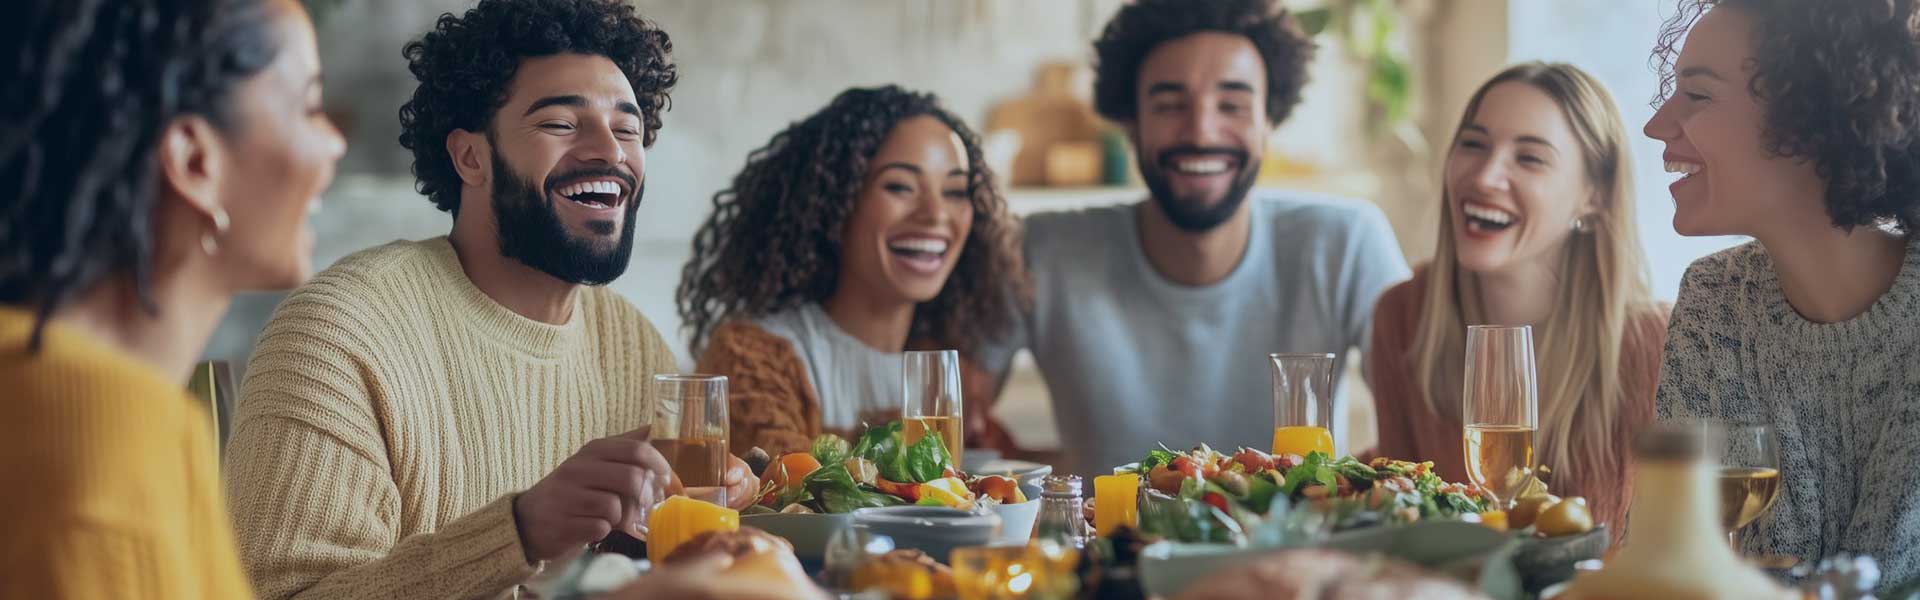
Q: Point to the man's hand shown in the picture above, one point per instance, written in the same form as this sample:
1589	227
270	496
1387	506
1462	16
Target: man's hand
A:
603	487
742	487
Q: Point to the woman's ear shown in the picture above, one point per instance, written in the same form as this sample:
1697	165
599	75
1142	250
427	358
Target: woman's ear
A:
471	153
192	158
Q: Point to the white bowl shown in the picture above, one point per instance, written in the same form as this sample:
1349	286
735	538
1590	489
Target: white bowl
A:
1016	521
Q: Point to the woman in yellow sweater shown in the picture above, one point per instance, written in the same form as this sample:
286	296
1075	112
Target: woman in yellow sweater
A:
170	155
867	228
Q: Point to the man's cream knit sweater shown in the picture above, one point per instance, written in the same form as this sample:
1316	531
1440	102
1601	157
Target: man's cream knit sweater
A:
390	412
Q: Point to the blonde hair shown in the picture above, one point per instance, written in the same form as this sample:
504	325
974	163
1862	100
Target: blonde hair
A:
1603	282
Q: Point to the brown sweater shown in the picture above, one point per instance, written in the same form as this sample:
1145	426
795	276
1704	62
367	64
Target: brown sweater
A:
772	404
1411	431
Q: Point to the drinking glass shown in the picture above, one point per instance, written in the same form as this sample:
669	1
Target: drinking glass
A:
690	430
1749	460
932	403
1500	408
1302	403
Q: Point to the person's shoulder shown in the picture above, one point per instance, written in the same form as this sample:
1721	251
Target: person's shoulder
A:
1078	227
613	317
1315	211
97	420
366	280
1405	298
1726	268
739	346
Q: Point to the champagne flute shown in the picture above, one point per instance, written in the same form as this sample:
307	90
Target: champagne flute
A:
1749	474
932	402
1302	403
1500	408
690	430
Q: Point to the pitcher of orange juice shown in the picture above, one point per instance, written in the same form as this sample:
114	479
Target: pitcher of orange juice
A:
1302	403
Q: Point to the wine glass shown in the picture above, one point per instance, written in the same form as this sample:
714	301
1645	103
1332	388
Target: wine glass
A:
1302	403
1500	408
932	402
1749	473
690	430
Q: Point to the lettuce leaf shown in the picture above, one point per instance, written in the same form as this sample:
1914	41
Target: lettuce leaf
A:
830	449
833	487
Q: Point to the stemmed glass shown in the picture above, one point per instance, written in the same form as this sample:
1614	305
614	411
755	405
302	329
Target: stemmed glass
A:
1500	408
1749	474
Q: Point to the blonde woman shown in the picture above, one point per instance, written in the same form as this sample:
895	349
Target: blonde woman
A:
1537	228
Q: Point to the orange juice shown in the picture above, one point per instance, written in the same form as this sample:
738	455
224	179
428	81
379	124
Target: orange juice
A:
1300	440
1116	502
680	519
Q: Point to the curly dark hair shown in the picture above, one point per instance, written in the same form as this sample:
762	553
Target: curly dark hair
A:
91	85
465	64
1841	85
773	241
1143	25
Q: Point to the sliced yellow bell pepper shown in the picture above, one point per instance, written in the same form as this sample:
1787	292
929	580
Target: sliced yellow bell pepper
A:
950	492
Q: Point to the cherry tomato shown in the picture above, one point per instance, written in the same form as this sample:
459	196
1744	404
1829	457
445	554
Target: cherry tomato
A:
1187	467
1287	461
1215	500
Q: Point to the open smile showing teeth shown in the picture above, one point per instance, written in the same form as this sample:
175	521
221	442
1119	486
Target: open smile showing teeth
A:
598	193
1685	169
1201	166
924	254
1486	218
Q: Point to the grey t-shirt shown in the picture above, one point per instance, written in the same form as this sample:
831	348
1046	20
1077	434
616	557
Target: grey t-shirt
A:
1133	360
1843	399
853	381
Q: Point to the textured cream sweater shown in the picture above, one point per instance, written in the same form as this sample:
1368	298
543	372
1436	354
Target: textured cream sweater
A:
391	411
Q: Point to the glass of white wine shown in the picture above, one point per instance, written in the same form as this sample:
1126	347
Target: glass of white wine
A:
1500	408
690	430
1749	474
932	403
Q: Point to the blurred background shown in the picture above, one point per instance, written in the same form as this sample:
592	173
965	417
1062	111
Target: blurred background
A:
1387	88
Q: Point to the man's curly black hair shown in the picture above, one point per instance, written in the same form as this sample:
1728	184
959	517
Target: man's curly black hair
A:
773	241
466	63
91	85
1143	25
1840	82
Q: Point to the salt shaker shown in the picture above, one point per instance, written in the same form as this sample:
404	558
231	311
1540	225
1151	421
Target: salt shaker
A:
1061	517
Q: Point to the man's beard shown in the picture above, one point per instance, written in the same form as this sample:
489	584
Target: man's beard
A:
531	231
1194	215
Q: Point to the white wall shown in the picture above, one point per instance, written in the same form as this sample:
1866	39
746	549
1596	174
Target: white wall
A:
1612	39
747	69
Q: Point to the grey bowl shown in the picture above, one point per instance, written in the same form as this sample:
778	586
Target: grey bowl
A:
930	529
808	532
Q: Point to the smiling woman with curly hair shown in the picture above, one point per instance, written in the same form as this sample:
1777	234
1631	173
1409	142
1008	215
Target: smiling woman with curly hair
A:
1798	123
867	228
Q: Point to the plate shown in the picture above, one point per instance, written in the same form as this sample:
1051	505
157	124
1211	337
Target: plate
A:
1466	551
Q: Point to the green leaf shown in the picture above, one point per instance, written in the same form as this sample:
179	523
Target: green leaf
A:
1260	493
830	449
834	487
1353	469
1314	21
1157	457
926	460
877	441
1315	467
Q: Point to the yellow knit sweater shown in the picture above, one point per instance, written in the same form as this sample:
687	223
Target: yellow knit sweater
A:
108	469
390	412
